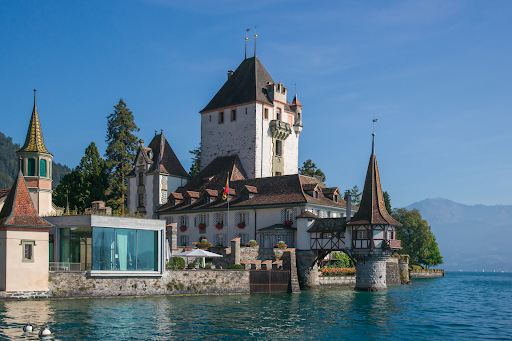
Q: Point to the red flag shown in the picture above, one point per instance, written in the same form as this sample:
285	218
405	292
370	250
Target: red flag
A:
226	189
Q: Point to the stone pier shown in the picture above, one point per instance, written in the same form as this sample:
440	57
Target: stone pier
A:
371	271
307	269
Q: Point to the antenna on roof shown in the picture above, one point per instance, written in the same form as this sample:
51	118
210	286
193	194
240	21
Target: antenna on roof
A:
373	134
246	30
255	36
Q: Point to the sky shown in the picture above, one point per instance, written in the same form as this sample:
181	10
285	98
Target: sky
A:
436	74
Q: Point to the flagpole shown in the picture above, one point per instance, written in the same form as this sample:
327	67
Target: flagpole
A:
227	198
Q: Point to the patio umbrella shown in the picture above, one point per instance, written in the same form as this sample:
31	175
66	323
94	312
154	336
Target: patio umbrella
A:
198	253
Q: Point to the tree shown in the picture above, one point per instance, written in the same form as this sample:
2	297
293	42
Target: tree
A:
387	202
434	256
309	168
120	153
415	234
196	161
84	184
355	196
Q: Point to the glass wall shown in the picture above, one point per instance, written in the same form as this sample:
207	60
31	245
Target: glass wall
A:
124	249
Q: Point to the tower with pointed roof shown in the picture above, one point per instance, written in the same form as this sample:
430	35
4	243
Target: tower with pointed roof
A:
156	173
251	117
372	232
36	165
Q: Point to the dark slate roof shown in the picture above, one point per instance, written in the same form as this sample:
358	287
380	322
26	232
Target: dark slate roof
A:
372	209
329	225
164	159
18	209
277	190
247	84
278	227
307	214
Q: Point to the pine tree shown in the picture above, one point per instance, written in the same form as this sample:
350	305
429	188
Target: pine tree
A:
120	153
84	184
196	161
309	168
387	202
355	196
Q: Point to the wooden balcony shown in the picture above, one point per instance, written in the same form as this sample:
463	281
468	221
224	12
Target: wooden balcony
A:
393	244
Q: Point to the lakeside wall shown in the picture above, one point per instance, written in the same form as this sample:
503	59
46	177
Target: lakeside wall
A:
337	281
426	273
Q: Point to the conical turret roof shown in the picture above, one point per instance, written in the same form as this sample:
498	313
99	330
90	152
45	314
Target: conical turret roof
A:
34	141
18	209
372	210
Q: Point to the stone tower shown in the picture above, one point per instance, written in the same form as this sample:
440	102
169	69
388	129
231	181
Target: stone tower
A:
372	233
36	165
251	117
156	173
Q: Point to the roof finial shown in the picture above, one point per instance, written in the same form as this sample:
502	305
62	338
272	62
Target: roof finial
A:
373	135
35	98
246	30
156	132
255	36
161	131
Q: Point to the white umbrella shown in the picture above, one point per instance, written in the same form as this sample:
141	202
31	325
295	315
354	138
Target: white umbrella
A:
198	253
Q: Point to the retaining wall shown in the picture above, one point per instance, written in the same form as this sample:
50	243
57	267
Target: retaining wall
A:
392	271
173	282
332	281
426	273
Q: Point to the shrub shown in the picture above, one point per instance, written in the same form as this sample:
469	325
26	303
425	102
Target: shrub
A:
281	245
192	265
252	243
203	244
236	267
176	263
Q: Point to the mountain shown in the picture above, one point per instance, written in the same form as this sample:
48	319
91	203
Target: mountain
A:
470	237
9	164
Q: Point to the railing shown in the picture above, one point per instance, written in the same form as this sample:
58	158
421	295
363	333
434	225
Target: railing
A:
393	244
64	266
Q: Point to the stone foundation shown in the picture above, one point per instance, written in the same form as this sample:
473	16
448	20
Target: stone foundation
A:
173	282
335	281
307	268
403	263
19	295
371	271
392	271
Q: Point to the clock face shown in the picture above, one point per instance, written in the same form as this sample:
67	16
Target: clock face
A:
140	159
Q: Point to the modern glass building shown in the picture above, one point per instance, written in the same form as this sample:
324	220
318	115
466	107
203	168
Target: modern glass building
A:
108	245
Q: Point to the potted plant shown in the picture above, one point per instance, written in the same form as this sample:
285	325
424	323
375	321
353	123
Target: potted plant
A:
288	223
203	244
281	245
183	228
241	224
201	226
219	225
252	243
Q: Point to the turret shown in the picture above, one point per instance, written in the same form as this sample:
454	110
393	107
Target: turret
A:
297	108
36	165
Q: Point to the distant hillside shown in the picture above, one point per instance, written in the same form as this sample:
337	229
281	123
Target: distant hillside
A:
9	164
472	237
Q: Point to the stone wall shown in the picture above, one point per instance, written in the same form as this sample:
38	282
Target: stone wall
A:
307	268
403	263
371	271
392	271
332	281
426	273
78	284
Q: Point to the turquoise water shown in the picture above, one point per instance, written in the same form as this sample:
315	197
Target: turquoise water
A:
458	306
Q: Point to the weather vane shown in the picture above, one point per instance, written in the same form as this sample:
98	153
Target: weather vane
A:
246	30
374	120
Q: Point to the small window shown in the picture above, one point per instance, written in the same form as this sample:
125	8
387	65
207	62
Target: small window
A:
141	178
266	113
207	199
246	111
221	117
289	214
31	167
183	240
279	147
315	194
389	235
298	115
220	240
326	235
243	217
245	196
210	118
141	199
233	115
328	214
278	114
335	198
362	234
278	174
28	251
42	168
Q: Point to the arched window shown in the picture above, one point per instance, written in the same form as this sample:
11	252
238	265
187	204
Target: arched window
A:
31	167
42	168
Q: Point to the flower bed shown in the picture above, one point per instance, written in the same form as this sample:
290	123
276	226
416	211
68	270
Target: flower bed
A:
337	271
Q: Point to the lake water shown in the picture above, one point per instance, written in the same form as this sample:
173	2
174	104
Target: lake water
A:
458	306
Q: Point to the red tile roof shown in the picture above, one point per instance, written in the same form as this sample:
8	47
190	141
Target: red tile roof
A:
18	209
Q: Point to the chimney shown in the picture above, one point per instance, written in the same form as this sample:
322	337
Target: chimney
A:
230	73
348	199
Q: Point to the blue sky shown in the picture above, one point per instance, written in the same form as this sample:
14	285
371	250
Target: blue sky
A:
436	74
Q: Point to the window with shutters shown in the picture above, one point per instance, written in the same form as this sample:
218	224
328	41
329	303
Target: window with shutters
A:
183	240
362	234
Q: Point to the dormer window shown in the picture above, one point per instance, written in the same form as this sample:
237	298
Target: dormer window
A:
245	196
315	194
335	198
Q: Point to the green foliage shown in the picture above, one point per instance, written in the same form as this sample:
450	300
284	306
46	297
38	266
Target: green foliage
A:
176	263
309	168
236	267
121	152
417	239
387	202
355	196
86	183
342	260
196	161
